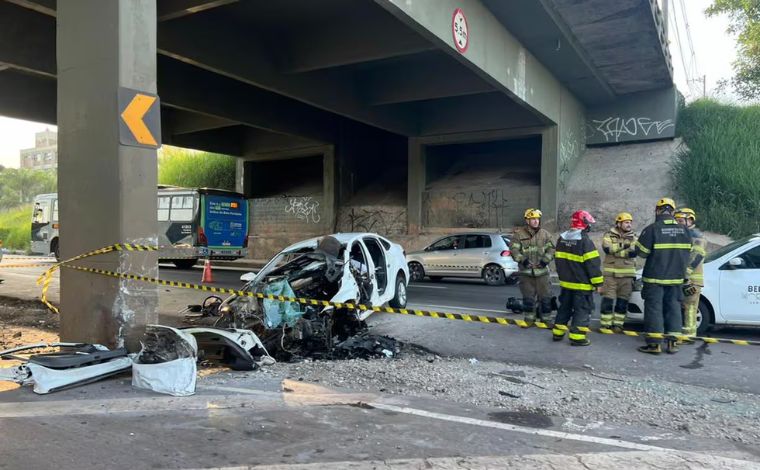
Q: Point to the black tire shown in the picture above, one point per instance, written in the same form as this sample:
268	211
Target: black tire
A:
399	298
493	274
56	249
185	263
416	272
435	278
705	318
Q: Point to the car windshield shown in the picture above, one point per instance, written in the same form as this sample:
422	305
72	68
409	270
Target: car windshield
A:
720	252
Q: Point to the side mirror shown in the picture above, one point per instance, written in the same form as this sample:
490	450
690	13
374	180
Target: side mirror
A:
736	262
248	277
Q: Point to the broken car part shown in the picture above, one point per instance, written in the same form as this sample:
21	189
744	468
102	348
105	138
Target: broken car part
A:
166	362
240	349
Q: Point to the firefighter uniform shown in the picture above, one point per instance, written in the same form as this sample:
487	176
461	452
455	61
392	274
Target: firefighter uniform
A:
579	270
695	280
533	250
619	269
666	245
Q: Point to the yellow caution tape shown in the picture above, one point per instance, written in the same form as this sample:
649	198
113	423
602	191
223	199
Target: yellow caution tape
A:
47	277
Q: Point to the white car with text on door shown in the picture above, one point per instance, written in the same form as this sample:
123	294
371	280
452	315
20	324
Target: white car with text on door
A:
731	295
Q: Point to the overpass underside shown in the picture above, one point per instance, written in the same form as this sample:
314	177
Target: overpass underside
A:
345	115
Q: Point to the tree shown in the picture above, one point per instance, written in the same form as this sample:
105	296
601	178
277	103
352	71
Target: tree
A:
19	185
191	169
745	21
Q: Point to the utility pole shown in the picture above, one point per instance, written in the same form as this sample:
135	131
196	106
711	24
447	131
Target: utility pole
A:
704	86
665	14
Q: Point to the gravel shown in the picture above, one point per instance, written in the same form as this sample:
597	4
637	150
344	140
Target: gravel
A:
582	394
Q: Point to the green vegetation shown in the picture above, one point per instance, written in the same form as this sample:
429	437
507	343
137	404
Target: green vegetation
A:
20	185
745	23
16	227
719	172
192	169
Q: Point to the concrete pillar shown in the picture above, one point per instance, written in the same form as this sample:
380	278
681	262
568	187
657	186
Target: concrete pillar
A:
107	191
416	185
240	175
549	176
329	209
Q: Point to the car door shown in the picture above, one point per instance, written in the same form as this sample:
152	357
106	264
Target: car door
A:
471	257
740	286
441	258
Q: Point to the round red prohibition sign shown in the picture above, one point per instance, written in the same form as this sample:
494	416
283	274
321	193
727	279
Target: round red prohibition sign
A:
459	30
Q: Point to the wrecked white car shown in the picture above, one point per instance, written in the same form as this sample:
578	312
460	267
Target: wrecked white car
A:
355	268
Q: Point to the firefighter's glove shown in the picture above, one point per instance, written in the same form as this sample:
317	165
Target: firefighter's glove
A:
543	264
689	290
632	254
526	264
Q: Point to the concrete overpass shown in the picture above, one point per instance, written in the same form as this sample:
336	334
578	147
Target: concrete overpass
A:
381	115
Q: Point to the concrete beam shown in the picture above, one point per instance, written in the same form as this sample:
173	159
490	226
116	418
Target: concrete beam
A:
190	88
426	77
176	122
27	97
172	9
510	67
363	39
27	39
253	65
227	141
46	7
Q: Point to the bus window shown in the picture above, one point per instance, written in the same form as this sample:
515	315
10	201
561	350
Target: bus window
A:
55	210
163	208
40	215
182	209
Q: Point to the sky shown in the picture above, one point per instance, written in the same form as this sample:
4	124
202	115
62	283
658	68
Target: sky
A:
713	52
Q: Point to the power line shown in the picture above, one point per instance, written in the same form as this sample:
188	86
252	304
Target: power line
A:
674	26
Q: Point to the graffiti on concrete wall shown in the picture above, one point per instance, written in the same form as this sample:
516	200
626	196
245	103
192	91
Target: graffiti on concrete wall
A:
304	208
615	128
487	208
571	146
385	220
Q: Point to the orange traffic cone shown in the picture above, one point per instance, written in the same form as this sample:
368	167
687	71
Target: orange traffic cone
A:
207	277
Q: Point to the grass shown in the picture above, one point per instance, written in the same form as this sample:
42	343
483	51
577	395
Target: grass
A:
15	227
190	169
719	172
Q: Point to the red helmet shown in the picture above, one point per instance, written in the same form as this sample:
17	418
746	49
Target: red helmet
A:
581	219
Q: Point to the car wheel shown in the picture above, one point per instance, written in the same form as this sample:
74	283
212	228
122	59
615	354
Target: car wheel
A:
705	319
493	275
399	299
416	272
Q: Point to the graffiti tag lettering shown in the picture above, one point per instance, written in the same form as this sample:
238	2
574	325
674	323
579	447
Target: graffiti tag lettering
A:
612	128
304	208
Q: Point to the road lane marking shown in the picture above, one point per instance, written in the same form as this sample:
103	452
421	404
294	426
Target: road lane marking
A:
521	429
439	307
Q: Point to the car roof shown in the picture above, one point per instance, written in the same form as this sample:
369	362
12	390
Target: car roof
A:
343	238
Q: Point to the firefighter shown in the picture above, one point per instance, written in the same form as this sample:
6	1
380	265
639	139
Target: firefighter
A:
533	250
619	271
694	273
579	270
666	246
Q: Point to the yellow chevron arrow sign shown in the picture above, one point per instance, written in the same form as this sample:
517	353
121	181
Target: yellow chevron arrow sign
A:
140	119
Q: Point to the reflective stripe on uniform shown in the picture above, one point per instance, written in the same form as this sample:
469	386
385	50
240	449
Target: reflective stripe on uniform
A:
577	336
577	258
558	332
672	246
664	282
575	286
597	280
699	250
642	248
620	270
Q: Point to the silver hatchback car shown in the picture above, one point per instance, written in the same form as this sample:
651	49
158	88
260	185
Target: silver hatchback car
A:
484	255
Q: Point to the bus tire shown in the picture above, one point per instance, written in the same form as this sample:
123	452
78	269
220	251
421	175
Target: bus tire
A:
185	263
